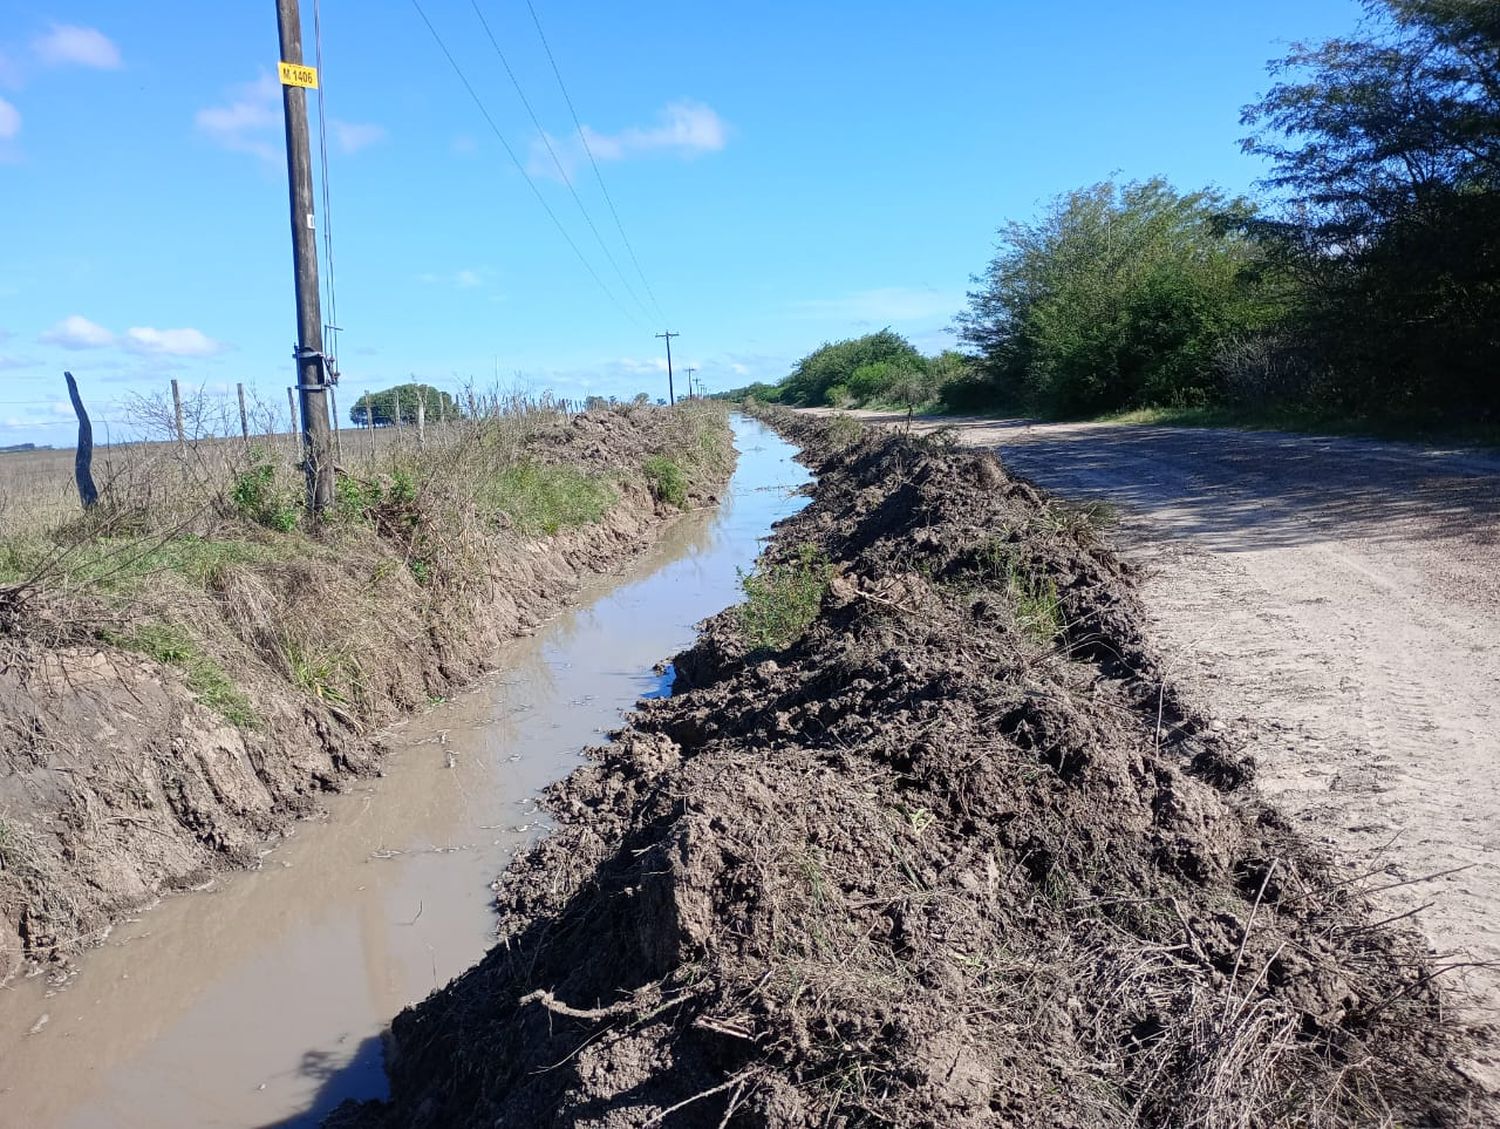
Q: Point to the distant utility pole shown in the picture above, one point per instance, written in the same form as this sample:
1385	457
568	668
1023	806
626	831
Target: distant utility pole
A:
296	80
671	396
690	371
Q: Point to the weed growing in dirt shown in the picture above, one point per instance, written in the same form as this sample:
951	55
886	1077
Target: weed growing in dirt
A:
258	497
844	431
667	479
545	499
326	676
782	599
1038	609
172	645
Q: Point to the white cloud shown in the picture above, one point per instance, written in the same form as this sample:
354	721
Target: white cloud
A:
76	332
351	137
684	128
66	44
466	279
170	342
884	305
249	122
10	120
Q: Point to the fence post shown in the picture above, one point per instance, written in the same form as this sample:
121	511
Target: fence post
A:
422	420
396	412
244	418
177	413
83	461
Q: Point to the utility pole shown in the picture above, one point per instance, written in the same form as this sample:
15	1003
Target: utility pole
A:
671	396
317	454
690	371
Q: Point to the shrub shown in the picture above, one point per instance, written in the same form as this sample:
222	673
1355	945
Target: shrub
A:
258	497
668	481
782	599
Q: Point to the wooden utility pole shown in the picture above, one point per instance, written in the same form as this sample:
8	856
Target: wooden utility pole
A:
317	453
671	395
244	416
690	371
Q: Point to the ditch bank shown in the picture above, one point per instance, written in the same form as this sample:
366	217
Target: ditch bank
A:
922	839
170	700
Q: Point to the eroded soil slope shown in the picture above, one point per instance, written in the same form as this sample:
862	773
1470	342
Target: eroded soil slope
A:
953	857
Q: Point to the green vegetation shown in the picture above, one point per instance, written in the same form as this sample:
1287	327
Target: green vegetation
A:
1033	595
122	563
436	406
259	497
878	369
781	599
545	499
1119	296
668	480
167	643
323	674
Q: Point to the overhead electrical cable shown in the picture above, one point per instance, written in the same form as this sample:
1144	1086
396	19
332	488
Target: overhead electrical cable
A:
598	175
331	327
556	160
521	168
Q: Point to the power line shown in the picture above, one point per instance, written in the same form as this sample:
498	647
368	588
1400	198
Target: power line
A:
521	168
333	327
556	160
599	176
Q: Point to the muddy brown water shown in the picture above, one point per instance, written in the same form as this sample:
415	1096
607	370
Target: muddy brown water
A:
260	1001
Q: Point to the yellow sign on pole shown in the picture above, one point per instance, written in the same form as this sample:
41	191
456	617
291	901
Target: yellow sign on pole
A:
293	74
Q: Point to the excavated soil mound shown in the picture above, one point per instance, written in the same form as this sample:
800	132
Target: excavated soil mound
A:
954	857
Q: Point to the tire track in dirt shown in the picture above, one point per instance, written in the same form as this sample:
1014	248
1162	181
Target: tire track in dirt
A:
1336	602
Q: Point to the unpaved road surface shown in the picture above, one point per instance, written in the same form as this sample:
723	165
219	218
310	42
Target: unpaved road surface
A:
1338	602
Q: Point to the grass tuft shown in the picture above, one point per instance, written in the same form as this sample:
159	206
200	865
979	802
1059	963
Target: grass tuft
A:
1033	595
782	599
546	499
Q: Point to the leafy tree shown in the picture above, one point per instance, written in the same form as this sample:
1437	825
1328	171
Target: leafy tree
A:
836	363
1117	297
1385	147
437	405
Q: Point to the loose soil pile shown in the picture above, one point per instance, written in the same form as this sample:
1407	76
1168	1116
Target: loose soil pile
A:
271	660
931	864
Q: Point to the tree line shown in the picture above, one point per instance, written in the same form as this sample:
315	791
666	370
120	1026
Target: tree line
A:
1363	283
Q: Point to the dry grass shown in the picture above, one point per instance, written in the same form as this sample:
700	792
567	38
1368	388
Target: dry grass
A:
208	545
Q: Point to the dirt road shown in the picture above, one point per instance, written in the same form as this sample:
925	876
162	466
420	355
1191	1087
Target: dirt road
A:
1338	601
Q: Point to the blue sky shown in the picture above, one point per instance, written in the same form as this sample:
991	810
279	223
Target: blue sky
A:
786	173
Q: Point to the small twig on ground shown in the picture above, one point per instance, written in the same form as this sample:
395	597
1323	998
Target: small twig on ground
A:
736	1080
1245	939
